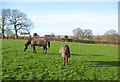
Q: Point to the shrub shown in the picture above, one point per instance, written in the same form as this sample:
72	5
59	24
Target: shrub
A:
35	34
66	36
85	41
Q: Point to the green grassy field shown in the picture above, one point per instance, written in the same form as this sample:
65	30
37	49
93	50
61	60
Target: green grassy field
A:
87	62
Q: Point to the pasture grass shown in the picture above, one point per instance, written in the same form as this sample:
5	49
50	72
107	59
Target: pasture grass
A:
87	62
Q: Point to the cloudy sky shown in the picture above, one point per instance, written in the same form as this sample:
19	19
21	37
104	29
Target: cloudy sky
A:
62	16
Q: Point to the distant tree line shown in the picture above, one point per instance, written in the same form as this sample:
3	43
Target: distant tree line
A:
13	19
82	33
110	35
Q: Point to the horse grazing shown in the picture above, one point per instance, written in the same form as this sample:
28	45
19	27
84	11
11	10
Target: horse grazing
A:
37	42
65	52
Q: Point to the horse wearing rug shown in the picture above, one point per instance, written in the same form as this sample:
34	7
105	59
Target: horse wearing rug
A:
65	52
37	42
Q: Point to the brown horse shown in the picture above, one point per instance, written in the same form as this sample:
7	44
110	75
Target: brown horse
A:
37	42
65	52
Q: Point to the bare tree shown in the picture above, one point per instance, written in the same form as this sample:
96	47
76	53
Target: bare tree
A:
110	32
19	21
88	33
4	20
8	32
78	33
111	35
82	34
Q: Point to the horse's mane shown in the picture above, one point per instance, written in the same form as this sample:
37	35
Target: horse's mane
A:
28	42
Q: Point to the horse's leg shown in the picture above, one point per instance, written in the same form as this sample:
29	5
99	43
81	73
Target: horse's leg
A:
33	49
64	61
67	60
43	49
66	57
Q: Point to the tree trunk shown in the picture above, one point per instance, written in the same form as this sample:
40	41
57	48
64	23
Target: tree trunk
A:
16	37
2	34
3	29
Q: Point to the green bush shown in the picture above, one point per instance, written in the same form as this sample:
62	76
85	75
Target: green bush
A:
66	36
35	34
85	41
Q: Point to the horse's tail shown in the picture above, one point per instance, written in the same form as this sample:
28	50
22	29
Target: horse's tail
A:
49	44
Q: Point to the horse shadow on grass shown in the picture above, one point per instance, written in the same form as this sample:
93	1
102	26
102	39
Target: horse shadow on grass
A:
99	63
87	55
5	48
103	63
54	53
75	54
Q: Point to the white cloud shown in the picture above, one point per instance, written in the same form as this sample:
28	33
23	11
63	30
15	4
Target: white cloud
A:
71	18
97	21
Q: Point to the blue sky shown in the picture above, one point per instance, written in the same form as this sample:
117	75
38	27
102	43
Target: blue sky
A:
62	17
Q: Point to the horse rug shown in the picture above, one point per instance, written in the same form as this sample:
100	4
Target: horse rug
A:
38	42
65	50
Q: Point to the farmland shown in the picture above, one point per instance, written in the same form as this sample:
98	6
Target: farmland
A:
87	62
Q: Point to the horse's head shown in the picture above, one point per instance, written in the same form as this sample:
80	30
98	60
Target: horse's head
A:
25	47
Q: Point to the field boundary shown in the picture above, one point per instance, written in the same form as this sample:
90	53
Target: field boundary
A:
71	40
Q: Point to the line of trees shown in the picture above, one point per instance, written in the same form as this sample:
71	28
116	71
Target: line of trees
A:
110	35
82	33
14	19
